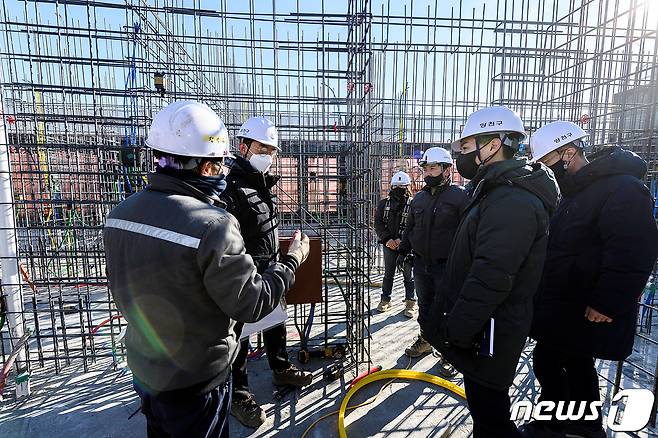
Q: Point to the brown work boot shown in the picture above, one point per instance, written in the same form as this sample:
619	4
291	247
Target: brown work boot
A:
248	412
292	376
384	305
409	309
419	348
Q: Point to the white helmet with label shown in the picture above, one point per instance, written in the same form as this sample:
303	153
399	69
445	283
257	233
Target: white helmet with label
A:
262	130
491	120
553	136
435	155
400	179
189	129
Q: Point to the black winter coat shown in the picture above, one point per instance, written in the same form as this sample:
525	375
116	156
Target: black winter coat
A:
602	249
433	221
248	197
494	269
390	228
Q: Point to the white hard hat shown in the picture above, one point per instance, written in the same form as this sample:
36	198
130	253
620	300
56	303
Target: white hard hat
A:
189	129
400	179
260	129
490	120
435	155
553	136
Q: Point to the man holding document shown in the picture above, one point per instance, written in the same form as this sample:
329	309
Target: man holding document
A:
179	274
483	310
250	198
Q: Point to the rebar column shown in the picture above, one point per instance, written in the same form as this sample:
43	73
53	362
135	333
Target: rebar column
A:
11	281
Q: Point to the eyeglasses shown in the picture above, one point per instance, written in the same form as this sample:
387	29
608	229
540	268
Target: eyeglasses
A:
258	148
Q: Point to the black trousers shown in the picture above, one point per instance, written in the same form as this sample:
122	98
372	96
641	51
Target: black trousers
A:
390	259
274	340
179	414
568	377
426	280
490	410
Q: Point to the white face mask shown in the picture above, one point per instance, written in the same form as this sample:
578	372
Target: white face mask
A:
261	162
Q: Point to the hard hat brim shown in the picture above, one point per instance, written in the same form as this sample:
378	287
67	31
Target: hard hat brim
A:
263	142
177	153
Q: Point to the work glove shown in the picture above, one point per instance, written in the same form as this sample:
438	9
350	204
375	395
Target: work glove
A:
299	247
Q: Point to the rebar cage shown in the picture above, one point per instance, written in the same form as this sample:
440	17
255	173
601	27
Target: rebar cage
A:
357	88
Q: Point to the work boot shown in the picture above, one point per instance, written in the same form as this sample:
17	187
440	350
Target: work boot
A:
292	376
446	370
248	412
384	305
419	348
410	308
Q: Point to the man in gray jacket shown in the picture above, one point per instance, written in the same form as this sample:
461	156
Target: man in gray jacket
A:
179	274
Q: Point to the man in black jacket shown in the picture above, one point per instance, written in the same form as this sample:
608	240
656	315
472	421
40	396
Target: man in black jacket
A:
249	198
482	314
178	272
435	214
602	248
390	219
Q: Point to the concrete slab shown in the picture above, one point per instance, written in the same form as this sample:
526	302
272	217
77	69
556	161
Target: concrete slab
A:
98	403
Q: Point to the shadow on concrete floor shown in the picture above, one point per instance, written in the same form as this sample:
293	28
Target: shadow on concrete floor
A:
74	403
97	403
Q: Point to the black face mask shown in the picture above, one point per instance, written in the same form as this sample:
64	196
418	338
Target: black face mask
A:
558	170
434	181
466	165
398	192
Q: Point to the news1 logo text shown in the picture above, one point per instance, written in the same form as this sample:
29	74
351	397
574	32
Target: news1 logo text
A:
630	410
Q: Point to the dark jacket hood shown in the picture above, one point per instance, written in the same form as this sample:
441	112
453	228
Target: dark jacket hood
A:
532	177
162	182
242	169
606	162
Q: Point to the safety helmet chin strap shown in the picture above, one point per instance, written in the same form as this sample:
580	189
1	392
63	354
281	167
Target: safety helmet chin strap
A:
566	164
478	149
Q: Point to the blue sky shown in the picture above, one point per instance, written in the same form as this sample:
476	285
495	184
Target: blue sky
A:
453	75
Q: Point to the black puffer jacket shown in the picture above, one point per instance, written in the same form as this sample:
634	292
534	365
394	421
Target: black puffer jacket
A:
494	269
602	248
248	197
433	221
390	228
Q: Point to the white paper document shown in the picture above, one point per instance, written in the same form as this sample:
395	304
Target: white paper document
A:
278	316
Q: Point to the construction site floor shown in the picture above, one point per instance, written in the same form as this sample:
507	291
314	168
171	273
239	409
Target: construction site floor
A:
97	403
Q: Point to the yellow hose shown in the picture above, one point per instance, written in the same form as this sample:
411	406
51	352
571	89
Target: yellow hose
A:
393	374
